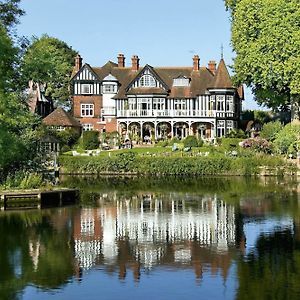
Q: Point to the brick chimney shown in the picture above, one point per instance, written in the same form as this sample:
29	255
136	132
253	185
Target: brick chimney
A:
212	66
121	60
196	63
135	63
78	63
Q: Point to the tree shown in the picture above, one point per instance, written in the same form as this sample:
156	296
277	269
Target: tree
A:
266	39
50	61
10	12
17	134
8	59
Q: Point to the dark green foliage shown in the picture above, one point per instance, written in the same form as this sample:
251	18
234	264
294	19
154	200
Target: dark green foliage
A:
90	140
49	60
65	148
129	163
240	134
10	12
68	137
174	140
8	60
192	141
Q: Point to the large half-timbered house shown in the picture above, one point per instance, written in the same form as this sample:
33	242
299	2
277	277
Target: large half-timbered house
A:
156	102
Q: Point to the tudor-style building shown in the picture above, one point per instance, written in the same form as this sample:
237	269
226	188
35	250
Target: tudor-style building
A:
156	102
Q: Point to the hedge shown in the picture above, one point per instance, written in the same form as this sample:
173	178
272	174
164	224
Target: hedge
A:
129	163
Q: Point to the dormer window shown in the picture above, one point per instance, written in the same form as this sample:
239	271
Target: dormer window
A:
110	84
86	89
147	81
181	81
109	88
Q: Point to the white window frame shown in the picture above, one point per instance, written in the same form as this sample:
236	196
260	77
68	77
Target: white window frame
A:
159	104
229	104
147	80
108	88
86	88
220	103
180	104
87	127
221	128
181	81
87	110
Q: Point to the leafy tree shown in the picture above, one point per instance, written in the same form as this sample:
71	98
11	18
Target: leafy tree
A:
10	12
271	130
266	39
286	141
17	134
49	60
8	59
90	140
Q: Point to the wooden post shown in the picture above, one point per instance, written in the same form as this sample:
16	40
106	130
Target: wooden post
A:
60	198
2	202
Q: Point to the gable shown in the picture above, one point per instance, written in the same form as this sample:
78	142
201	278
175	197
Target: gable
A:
85	73
147	78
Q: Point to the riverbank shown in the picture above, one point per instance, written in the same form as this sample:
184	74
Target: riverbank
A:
132	164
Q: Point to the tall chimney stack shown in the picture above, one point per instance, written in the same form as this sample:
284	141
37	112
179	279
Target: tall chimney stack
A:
78	63
212	66
135	63
121	60
196	63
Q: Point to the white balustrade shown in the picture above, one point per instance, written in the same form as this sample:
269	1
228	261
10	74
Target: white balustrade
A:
174	113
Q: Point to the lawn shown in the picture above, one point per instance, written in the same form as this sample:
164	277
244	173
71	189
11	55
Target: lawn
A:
152	151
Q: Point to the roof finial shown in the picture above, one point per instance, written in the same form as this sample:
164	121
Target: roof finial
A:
222	51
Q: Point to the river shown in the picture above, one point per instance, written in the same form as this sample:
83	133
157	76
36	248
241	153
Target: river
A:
157	238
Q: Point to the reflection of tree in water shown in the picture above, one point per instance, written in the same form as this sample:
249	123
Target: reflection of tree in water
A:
29	244
273	271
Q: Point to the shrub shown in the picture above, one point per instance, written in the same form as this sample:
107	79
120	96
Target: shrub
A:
24	180
286	137
258	145
68	137
271	130
130	163
192	141
65	148
90	140
240	134
174	140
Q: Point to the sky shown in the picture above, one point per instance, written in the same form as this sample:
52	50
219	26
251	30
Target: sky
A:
160	32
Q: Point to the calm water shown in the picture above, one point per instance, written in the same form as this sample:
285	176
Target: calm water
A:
212	238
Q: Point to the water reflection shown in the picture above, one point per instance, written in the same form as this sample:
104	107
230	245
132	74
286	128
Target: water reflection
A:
221	243
146	231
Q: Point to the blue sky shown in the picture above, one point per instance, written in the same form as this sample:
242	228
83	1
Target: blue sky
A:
160	32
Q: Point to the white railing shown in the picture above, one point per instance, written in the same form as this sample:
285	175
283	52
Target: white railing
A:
174	113
108	111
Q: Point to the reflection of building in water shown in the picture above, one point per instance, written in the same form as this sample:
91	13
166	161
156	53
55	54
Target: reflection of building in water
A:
150	231
87	237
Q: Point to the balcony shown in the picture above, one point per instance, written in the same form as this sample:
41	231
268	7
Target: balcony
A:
108	111
174	113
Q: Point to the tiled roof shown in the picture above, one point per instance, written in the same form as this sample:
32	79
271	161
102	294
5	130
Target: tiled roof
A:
59	117
200	81
146	91
222	77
